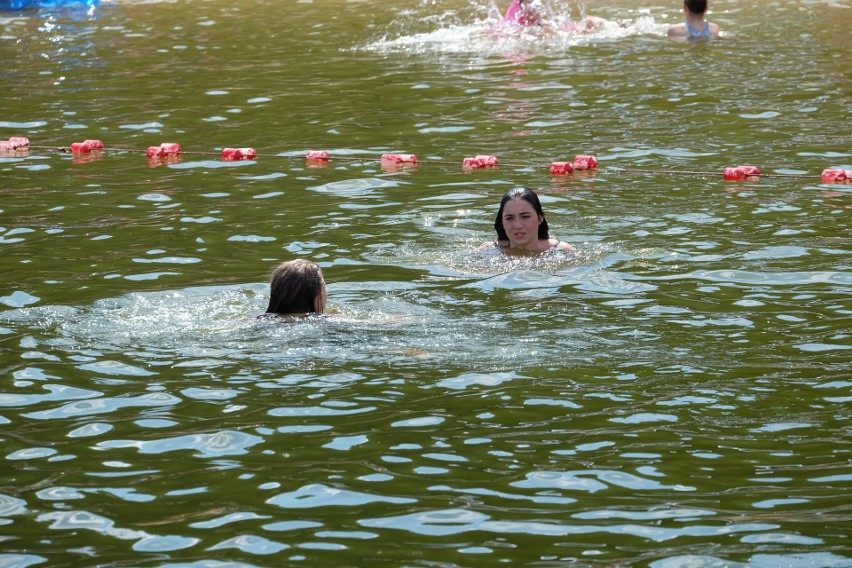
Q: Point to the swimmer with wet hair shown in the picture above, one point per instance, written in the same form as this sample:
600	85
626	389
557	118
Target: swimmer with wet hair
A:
522	227
695	25
297	288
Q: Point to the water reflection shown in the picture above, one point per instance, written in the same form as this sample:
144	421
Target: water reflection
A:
673	394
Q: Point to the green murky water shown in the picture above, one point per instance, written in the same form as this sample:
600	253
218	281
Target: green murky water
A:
675	394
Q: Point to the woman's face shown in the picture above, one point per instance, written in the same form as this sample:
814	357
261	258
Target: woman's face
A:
521	224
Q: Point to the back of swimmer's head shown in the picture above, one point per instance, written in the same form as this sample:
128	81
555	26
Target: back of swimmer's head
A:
296	287
530	197
696	6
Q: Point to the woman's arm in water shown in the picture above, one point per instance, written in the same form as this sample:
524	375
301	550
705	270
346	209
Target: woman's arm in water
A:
562	245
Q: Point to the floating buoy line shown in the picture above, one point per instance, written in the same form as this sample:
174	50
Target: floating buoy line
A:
170	152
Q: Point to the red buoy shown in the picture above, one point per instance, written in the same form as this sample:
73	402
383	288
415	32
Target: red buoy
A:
833	176
238	154
480	161
19	142
488	161
317	156
399	159
163	150
583	162
740	172
561	168
81	147
750	170
733	174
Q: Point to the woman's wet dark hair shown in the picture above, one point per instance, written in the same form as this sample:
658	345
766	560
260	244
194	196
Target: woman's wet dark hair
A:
530	197
696	6
295	288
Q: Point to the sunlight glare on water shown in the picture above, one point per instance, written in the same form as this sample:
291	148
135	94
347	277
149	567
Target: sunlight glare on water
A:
674	393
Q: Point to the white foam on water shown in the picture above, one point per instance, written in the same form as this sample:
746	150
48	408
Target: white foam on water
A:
480	31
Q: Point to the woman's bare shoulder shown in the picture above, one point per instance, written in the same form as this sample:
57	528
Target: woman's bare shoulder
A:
493	245
678	30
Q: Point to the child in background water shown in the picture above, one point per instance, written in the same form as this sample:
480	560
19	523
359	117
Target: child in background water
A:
695	26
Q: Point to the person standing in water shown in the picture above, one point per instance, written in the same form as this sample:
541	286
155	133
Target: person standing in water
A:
297	288
521	226
695	25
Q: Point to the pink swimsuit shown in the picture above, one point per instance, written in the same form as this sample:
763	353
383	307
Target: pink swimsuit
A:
512	12
514	15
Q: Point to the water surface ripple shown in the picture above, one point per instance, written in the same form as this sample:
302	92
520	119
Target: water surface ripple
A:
674	394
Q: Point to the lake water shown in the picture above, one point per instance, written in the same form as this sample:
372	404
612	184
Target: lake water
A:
676	394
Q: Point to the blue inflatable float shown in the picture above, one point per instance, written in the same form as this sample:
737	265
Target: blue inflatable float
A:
23	4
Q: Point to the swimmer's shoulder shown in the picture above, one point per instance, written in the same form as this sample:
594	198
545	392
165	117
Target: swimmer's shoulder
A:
678	30
289	318
682	31
499	245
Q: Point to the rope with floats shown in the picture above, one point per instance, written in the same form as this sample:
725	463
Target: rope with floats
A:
170	152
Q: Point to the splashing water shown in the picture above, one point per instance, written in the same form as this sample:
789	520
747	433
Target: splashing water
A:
479	29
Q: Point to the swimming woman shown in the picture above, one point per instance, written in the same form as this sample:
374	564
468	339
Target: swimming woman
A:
695	25
521	226
297	288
